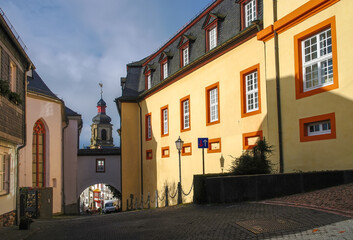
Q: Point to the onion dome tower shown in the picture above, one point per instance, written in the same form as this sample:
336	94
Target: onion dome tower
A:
101	128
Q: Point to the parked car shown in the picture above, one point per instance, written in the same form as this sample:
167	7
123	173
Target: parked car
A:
109	207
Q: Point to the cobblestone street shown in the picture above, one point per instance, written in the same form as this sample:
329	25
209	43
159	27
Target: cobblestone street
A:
304	216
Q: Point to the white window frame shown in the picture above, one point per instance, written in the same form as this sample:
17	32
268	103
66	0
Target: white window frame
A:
320	128
317	61
149	81
212	37
165	70
186	114
4	174
213	96
250	12
186	56
100	167
149	127
165	121
252	92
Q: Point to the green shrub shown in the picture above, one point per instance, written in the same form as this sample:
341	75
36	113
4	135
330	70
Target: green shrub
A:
15	98
4	88
253	161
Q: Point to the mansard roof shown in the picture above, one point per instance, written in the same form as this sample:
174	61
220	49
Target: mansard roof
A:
230	33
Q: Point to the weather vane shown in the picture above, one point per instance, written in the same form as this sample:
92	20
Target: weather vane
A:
101	85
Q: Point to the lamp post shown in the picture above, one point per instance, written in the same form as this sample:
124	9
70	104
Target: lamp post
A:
179	145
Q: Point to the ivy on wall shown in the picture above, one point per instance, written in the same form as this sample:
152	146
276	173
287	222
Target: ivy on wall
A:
5	92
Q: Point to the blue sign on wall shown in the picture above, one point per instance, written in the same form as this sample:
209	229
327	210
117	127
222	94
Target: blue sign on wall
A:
202	143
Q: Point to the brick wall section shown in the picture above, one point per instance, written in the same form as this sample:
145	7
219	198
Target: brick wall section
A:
11	117
5	65
8	219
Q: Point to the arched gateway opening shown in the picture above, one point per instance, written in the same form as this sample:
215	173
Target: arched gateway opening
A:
100	198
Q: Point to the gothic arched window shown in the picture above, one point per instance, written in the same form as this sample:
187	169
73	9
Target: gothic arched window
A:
104	134
38	155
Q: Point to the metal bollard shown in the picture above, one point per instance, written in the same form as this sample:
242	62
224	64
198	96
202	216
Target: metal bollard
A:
156	198
148	200
135	203
127	204
166	196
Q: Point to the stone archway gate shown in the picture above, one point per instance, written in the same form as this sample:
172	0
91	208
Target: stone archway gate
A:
94	166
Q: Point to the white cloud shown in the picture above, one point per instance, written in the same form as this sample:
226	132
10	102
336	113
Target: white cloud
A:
75	44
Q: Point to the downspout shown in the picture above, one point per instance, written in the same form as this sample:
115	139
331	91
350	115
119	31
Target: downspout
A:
278	92
62	162
141	156
24	129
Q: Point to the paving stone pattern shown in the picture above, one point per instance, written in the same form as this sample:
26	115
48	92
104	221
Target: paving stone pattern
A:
263	220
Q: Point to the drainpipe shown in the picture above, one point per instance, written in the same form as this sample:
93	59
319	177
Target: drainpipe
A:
62	162
278	93
141	156
24	130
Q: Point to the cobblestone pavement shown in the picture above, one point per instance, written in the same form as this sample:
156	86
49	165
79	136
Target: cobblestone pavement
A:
282	218
334	199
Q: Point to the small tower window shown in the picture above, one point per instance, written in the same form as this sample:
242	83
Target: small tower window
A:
104	134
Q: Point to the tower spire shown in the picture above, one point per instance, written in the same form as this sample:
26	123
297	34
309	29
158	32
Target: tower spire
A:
101	85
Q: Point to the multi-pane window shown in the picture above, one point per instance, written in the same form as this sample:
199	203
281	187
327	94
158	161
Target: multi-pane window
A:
38	155
185	56
148	127
212	37
186	114
249	12
213	97
165	70
4	174
252	98
319	128
317	60
165	121
100	165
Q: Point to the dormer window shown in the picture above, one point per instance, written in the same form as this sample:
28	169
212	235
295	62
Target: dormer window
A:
163	60
184	46
185	54
148	75
248	12
148	80
211	29
212	37
164	69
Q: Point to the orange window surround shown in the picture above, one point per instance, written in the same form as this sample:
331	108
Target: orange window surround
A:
208	106
164	121
184	128
149	155
186	149
303	127
214	145
165	152
299	88
243	74
250	136
148	126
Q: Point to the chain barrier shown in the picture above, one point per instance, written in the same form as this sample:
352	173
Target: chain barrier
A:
161	199
171	196
186	194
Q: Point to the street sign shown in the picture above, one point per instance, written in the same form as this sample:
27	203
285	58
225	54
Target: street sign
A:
202	142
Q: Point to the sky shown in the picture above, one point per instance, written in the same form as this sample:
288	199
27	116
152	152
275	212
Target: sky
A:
76	44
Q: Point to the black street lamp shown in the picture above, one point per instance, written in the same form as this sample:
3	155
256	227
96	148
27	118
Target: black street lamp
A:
179	145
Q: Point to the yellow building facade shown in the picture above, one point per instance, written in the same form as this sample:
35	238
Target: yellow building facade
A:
224	88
